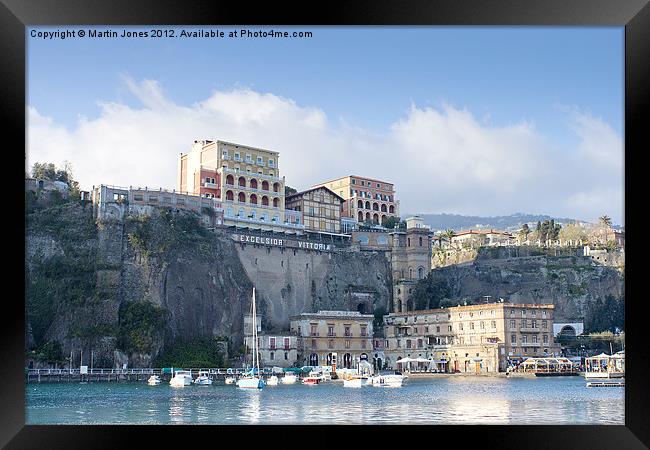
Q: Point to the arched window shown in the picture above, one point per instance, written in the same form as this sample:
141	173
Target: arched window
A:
253	183
242	182
360	216
391	209
229	196
383	219
375	219
368	217
265	200
367	205
420	241
410	272
230	180
276	202
276	187
420	273
360	204
408	242
375	206
241	197
383	208
265	185
253	199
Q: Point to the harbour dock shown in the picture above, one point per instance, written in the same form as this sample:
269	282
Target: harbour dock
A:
116	375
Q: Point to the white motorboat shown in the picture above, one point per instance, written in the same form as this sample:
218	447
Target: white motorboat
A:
390	380
181	378
252	379
154	380
231	380
272	381
355	382
203	378
289	378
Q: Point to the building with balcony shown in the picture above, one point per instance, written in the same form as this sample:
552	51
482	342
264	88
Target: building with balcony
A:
320	207
473	338
327	336
276	349
245	179
365	199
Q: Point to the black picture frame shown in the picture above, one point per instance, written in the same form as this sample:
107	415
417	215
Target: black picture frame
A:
16	15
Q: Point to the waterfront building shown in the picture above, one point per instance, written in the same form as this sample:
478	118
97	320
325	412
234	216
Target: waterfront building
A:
275	349
320	207
410	260
365	199
325	336
472	338
245	179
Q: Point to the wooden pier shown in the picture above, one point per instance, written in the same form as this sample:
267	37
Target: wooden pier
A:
117	375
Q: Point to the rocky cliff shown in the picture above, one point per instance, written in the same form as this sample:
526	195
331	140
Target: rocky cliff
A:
577	285
128	290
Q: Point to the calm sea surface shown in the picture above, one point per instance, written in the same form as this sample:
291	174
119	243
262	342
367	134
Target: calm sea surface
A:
453	400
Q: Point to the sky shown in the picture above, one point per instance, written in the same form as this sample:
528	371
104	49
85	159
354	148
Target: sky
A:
466	120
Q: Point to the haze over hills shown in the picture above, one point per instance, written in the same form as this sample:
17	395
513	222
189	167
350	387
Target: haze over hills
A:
512	222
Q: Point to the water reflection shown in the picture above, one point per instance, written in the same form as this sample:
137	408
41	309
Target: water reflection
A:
443	401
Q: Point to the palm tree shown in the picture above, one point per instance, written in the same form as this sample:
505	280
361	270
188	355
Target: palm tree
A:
449	233
605	220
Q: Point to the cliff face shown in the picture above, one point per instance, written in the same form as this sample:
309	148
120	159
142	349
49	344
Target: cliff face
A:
131	289
576	285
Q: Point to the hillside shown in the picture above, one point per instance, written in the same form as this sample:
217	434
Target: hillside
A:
460	222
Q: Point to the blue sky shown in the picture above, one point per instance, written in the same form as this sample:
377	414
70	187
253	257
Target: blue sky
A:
366	79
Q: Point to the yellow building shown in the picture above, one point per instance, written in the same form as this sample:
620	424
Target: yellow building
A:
246	180
328	336
473	338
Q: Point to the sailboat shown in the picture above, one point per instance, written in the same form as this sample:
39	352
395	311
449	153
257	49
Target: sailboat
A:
252	379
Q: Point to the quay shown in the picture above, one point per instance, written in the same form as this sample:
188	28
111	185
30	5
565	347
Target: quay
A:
111	375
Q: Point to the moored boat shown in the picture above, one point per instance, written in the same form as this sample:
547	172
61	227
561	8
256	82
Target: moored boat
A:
252	379
230	380
272	381
311	380
181	378
605	366
154	380
355	381
203	378
390	380
289	378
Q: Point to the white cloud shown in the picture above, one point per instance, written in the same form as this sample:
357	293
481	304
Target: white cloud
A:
441	160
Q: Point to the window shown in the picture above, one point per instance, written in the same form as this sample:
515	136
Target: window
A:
399	344
482	325
543	313
330	343
512	312
449	328
363	344
533	323
287	343
494	324
461	327
438	329
523	312
408	343
347	330
137	197
271	356
545	338
260	160
286	355
313	343
272	343
524	339
471	325
512	324
534	339
249	158
237	158
544	323
364	330
386	343
513	338
347	343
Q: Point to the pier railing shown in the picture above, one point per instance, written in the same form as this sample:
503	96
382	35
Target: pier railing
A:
104	374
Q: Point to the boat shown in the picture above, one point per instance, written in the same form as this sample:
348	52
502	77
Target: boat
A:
289	378
181	378
203	378
154	380
311	380
252	379
605	366
355	381
272	381
389	380
231	380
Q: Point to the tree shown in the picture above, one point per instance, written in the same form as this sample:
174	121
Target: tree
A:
524	232
449	233
392	222
605	220
49	172
44	171
288	190
573	232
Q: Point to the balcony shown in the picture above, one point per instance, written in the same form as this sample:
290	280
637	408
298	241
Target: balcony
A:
314	333
531	344
237	158
225	157
260	163
210	185
331	334
529	330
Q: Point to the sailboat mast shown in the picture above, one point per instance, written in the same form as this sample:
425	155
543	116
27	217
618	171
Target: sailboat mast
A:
255	358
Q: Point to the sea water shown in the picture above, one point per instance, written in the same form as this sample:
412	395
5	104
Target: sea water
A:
444	400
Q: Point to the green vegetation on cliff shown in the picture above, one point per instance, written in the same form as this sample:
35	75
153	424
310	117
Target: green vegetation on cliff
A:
200	352
141	324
